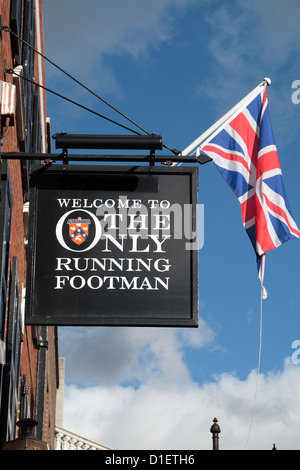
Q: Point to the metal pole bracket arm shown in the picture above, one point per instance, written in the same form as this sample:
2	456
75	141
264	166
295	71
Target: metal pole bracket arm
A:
58	157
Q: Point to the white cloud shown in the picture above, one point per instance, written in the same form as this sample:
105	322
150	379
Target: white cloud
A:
258	33
249	40
88	43
81	39
131	388
115	355
162	414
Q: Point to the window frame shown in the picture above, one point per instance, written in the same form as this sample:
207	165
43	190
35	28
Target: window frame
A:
6	206
11	388
16	24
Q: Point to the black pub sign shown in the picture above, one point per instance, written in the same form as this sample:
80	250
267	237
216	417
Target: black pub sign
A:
112	246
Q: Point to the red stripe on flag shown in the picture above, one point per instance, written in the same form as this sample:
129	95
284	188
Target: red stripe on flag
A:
265	97
263	237
226	155
240	124
281	212
268	161
248	209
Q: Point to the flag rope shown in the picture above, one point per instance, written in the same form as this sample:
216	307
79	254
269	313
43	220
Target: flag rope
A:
263	295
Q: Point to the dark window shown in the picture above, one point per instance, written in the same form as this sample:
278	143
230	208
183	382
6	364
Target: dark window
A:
22	23
28	68
16	24
36	126
10	396
5	232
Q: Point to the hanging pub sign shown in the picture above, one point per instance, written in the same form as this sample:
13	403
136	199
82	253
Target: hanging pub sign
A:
112	246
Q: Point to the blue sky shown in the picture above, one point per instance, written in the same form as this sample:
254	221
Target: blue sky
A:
175	67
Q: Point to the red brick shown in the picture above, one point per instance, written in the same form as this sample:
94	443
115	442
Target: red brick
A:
30	353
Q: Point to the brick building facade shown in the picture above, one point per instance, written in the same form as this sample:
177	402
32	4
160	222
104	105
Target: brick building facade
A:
28	355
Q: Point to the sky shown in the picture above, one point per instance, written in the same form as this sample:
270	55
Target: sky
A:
175	67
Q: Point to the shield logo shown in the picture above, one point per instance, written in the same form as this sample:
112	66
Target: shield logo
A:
79	230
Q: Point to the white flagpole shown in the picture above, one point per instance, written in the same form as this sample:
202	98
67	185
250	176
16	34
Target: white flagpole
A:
216	125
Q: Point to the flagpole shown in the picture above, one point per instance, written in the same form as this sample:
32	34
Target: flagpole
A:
266	81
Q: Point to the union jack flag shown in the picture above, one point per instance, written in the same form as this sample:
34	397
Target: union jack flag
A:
245	153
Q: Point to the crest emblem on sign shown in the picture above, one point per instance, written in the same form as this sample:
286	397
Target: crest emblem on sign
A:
78	230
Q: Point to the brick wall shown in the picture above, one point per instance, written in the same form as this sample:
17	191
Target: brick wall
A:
30	351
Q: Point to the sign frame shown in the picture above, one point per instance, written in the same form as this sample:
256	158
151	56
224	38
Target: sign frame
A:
50	177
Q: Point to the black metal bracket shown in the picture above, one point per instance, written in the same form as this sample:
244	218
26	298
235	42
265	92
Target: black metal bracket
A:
6	70
152	158
116	142
66	141
66	158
